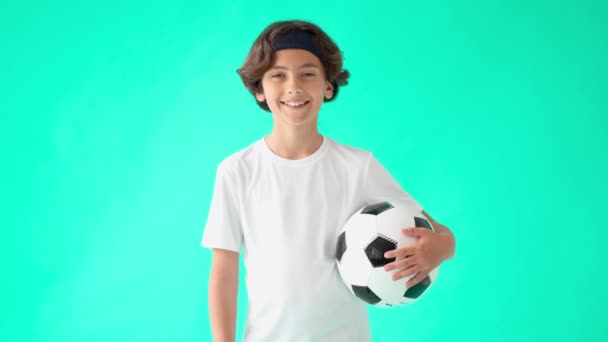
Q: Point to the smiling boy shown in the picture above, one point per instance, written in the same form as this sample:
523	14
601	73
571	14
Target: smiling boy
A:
283	200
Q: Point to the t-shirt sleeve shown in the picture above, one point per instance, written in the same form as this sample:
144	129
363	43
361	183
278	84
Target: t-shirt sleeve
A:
223	228
379	185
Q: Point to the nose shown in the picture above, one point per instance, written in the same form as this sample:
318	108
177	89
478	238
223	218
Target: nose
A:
293	87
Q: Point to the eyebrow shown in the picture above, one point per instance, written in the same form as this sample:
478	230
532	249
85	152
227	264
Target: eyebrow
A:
307	65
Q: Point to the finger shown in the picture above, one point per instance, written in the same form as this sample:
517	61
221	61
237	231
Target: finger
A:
400	252
416	279
406	273
401	263
413	231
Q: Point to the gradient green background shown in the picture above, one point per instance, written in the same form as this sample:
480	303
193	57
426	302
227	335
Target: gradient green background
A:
114	117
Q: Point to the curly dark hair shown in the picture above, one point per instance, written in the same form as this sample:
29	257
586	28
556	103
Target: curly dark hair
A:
259	59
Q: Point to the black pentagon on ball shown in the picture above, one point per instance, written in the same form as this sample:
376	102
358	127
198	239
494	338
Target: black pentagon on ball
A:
377	208
366	294
422	223
376	249
418	289
341	246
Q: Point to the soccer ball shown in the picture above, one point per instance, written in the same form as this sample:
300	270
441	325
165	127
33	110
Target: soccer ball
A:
362	242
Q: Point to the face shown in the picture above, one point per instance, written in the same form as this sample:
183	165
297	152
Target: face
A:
294	87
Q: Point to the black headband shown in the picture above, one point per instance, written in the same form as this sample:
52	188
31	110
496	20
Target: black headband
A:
296	40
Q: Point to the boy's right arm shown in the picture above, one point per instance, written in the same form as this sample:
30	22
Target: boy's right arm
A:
223	286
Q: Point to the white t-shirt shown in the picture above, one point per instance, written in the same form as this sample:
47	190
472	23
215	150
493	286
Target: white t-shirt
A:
285	216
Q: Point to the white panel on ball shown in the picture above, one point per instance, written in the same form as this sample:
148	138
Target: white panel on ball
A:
365	228
383	285
355	275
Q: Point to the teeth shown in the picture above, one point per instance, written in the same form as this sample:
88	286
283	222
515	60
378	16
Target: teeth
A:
295	104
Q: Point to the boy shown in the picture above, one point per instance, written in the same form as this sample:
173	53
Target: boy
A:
285	198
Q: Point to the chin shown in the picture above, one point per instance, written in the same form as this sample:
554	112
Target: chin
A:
295	120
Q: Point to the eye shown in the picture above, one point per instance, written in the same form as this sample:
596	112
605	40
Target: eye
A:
309	74
277	76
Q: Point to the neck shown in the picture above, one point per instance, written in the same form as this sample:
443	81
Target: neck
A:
294	144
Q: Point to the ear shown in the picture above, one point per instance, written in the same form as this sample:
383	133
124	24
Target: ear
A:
260	97
329	90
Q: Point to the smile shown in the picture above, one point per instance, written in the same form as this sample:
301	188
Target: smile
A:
296	104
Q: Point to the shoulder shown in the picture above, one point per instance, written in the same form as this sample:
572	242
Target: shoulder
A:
349	153
237	161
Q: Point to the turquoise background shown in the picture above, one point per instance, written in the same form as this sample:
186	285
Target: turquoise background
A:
493	114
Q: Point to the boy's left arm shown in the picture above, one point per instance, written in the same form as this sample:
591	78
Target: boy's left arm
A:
432	248
445	231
